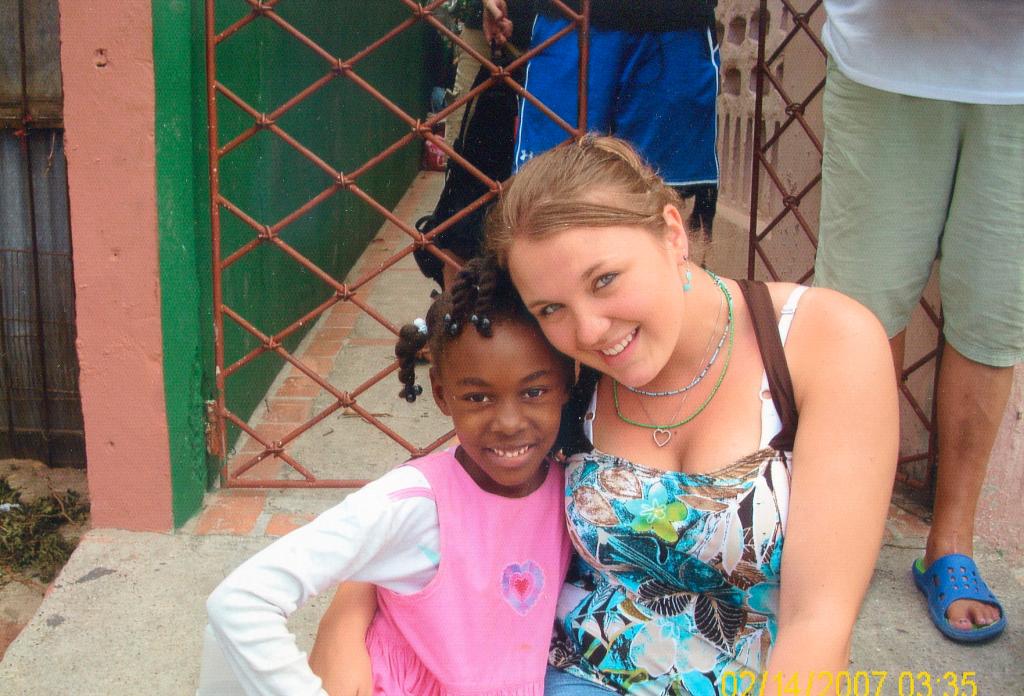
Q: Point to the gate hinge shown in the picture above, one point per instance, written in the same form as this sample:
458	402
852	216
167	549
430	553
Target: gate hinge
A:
214	431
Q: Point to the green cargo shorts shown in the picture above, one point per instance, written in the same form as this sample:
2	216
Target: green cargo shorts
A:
906	181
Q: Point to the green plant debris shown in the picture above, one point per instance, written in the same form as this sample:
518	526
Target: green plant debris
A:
30	540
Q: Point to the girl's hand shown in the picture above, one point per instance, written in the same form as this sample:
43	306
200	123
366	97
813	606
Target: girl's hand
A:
339	656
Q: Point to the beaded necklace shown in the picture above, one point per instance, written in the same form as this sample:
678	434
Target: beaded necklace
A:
702	373
663	433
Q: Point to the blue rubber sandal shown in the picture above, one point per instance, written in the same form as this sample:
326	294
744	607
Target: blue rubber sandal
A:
951	578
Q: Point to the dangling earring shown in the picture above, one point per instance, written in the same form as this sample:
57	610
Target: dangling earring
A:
688	285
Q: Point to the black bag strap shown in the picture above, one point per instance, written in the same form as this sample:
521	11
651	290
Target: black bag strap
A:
766	328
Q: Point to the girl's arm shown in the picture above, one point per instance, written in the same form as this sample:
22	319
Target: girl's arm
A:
371	537
339	656
844	463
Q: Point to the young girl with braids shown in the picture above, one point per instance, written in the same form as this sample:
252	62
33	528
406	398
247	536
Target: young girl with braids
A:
467	547
733	443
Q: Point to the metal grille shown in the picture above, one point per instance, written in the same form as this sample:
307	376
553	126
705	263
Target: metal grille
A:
783	246
351	294
40	405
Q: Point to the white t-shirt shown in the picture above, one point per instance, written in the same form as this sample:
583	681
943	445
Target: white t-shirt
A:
386	533
968	51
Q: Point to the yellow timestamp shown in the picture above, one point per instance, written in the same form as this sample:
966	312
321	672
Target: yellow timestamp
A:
846	683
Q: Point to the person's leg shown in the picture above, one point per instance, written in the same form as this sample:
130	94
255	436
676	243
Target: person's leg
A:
970	402
887	176
888	193
702	216
466	69
982	287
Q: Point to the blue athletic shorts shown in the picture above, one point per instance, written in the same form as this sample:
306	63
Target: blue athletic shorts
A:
657	90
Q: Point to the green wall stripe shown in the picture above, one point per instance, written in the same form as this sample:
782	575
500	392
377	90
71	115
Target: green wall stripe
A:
181	188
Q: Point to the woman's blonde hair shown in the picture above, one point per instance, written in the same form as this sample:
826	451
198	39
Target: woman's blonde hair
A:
597	181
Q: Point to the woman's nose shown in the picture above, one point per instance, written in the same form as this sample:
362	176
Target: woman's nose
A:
590	329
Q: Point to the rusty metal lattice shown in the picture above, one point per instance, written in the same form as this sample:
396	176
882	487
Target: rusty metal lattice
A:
264	233
788	191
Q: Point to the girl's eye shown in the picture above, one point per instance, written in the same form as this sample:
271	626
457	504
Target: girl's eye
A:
548	310
477	398
604	280
535	392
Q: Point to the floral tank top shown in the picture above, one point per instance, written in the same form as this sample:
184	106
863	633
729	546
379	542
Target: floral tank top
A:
676	580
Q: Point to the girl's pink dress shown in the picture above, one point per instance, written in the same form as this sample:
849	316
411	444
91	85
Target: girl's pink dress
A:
482	626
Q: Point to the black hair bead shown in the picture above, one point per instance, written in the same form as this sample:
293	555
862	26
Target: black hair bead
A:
410	392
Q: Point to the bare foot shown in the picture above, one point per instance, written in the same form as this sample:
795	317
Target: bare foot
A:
967	614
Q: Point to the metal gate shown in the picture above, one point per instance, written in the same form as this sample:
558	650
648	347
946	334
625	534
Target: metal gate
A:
785	191
270	233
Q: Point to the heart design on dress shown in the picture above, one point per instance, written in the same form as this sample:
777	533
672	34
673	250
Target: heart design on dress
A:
521	584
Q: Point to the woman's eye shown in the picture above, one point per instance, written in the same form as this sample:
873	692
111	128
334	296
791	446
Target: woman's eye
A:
604	280
534	393
548	310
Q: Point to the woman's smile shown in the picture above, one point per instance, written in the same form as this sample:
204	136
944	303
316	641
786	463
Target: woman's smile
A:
621	345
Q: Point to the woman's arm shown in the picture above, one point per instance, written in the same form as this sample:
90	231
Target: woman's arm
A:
339	656
844	462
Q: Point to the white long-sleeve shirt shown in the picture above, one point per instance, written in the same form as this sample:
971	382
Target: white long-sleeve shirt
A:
385	533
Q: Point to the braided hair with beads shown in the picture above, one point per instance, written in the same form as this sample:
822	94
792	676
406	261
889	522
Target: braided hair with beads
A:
481	295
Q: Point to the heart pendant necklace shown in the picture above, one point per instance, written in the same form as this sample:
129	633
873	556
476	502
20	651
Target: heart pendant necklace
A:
662	437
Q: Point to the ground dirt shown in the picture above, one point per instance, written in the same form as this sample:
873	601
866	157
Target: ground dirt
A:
22	588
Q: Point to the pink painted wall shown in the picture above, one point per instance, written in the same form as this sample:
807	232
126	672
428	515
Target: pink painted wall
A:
107	62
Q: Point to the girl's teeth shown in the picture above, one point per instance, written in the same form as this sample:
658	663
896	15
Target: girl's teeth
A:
511	453
621	346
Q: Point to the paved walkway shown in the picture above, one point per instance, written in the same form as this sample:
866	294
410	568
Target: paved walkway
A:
126	614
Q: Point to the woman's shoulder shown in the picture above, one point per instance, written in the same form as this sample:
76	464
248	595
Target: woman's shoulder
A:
830	332
824	314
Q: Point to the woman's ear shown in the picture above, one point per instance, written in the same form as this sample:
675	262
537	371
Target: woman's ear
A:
437	389
675	236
